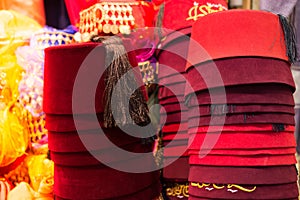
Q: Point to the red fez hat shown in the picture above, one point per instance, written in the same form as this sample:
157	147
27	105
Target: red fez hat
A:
174	128
243	152
173	136
242	33
245	140
222	109
245	160
243	175
62	64
246	118
101	183
59	81
240	71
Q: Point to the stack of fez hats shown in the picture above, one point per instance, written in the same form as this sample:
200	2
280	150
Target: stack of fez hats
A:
175	19
81	144
241	107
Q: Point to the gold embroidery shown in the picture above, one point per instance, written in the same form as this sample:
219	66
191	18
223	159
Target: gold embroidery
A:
229	187
147	72
107	17
200	185
241	188
179	190
198	11
218	187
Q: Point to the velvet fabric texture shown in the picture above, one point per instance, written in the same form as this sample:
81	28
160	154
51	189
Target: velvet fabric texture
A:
287	191
245	94
271	43
242	146
61	71
241	175
78	174
242	70
175	46
89	183
244	140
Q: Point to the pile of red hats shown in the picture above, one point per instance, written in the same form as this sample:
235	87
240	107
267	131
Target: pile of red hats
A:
173	114
87	164
241	108
175	20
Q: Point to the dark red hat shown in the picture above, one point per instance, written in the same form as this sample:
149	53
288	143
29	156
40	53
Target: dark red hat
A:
62	64
222	109
101	182
240	71
245	94
246	118
243	175
243	191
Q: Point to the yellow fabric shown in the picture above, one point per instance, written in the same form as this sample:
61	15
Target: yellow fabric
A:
15	31
23	191
40	171
13	135
30	8
14	25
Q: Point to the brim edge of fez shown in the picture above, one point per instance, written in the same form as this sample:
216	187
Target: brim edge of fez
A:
256	39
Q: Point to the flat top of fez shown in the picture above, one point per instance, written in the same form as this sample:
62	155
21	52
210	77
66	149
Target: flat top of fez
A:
236	33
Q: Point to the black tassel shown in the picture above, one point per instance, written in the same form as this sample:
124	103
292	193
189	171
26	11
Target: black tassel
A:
187	100
290	39
159	20
118	65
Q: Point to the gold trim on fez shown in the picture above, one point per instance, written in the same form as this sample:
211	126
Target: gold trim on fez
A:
106	28
233	188
114	29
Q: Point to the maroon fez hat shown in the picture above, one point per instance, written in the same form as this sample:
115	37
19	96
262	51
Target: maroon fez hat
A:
64	64
240	71
243	175
244	191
